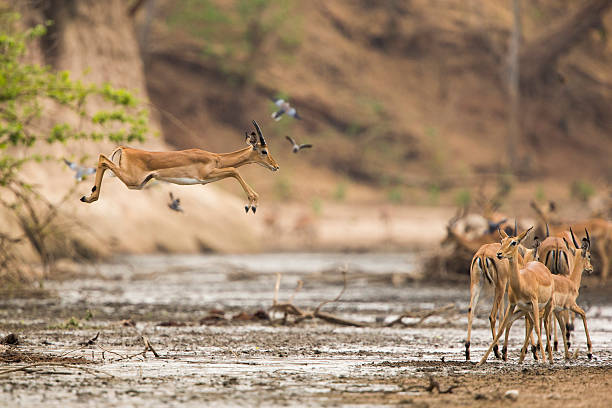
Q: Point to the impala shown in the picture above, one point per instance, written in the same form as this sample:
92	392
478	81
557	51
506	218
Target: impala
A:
600	229
194	166
530	289
486	267
557	258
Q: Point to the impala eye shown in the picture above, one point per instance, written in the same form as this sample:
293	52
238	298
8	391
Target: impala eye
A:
264	152
513	243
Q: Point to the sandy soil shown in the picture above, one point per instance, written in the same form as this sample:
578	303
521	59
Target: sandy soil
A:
198	312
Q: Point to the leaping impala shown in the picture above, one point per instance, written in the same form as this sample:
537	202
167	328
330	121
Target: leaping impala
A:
194	166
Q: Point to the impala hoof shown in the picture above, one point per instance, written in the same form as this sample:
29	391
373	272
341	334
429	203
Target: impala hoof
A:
496	351
253	209
83	199
246	209
590	356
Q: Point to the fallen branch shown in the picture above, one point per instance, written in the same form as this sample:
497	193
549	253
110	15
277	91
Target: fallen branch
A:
288	308
422	315
54	364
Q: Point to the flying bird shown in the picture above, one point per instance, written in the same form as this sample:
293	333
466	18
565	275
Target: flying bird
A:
284	107
175	204
79	171
297	147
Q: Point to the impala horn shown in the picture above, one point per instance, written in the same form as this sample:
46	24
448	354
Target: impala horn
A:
262	141
547	231
515	227
574	239
587	239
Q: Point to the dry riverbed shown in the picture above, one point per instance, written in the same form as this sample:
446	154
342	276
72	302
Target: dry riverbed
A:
206	319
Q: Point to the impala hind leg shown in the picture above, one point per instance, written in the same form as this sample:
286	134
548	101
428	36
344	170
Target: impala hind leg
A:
554	331
517	315
509	312
474	294
547	319
105	164
564	333
497	302
536	323
528	333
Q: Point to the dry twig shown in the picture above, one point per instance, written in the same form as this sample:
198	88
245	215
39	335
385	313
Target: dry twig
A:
433	385
288	308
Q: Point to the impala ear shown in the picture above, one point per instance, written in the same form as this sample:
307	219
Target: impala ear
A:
523	234
251	138
586	244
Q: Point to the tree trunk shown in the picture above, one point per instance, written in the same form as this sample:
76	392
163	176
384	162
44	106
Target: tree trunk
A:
514	128
538	57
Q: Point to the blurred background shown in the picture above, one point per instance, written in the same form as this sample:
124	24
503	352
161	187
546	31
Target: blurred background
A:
414	109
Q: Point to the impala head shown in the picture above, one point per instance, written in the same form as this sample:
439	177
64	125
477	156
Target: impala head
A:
585	250
509	244
260	153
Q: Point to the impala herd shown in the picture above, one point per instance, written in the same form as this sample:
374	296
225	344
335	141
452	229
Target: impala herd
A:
541	283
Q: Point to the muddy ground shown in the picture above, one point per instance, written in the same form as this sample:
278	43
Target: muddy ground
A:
206	318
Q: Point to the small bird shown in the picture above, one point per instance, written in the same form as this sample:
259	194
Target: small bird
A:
284	108
175	204
297	147
79	171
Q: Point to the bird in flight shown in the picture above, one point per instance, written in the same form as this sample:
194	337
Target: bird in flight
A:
284	107
175	204
297	147
79	171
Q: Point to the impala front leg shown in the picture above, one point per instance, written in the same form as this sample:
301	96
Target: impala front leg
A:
252	196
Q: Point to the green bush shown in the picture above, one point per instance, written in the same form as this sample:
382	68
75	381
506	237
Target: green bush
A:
340	192
27	91
463	198
395	195
582	190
